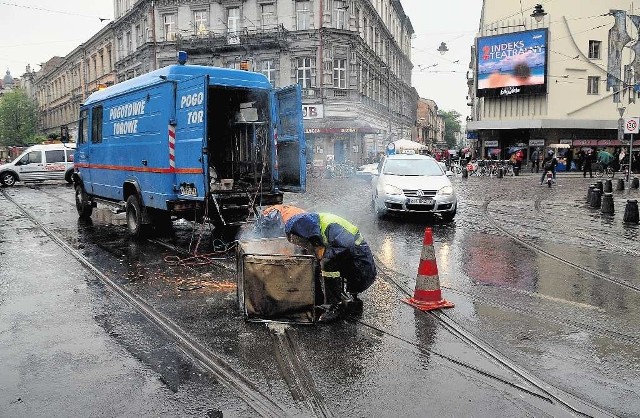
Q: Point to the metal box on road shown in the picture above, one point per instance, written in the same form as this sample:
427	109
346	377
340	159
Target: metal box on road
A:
275	281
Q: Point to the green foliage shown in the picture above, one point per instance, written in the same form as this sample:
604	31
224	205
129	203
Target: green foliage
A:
451	127
18	115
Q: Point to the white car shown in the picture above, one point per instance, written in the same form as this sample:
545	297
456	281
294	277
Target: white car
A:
408	183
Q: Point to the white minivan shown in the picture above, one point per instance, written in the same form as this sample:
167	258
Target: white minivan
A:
39	163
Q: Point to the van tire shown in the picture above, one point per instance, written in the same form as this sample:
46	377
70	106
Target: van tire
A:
83	205
134	217
68	176
8	179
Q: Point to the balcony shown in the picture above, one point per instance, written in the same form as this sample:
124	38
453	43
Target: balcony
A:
258	38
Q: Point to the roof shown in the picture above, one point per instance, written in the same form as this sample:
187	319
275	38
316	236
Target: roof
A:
217	76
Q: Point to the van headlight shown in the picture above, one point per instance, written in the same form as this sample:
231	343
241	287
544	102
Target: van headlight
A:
391	190
446	191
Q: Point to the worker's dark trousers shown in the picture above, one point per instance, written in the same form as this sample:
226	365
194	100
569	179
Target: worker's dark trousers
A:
331	287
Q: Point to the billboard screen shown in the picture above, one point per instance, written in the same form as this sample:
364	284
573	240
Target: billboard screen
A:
512	64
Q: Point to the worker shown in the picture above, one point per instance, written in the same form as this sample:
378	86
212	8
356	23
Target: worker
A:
273	218
343	254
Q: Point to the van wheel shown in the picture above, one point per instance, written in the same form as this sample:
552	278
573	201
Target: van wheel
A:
8	179
134	216
67	176
83	205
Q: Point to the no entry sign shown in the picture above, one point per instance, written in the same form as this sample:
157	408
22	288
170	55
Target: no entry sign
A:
631	125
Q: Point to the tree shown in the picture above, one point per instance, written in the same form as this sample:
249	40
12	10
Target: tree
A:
451	127
18	115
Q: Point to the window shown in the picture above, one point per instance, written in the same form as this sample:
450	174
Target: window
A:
54	156
169	21
340	15
340	73
302	15
34	157
594	49
304	72
268	13
96	125
233	20
593	85
129	42
267	68
82	129
200	22
69	153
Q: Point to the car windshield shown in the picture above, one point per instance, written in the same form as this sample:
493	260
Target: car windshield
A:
412	167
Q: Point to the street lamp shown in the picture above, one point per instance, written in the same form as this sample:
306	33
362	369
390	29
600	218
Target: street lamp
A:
538	13
442	48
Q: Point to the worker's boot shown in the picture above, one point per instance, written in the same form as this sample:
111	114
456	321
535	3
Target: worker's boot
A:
332	288
354	305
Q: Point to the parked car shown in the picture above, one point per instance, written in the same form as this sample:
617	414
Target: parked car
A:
413	184
38	163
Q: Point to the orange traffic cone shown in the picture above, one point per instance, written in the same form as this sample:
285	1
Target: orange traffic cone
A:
427	295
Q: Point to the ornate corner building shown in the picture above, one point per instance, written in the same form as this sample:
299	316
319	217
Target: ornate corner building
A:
351	58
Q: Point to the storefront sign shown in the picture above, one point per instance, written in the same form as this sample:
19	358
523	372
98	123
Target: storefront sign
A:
490	143
341	130
536	142
609	143
312	111
585	142
566	141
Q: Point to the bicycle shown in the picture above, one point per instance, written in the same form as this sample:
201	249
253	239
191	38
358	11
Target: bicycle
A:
599	171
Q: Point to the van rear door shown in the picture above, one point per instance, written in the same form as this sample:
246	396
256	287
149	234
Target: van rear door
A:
290	155
190	158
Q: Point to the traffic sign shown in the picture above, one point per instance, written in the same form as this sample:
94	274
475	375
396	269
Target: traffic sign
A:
631	125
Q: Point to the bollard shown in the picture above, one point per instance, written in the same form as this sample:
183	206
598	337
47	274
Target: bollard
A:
631	212
620	185
608	186
465	173
607	203
634	183
600	186
589	192
596	199
500	172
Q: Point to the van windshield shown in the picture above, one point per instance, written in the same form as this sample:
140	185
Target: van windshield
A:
411	167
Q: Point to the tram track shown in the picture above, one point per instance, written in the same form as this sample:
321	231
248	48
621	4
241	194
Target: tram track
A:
261	403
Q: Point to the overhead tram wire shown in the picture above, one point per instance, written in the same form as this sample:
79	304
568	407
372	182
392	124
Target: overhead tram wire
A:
42	9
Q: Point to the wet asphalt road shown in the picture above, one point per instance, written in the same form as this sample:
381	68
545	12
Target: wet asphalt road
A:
546	294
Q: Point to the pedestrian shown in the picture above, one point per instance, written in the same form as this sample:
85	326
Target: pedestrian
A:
535	162
549	164
586	166
580	160
569	159
343	255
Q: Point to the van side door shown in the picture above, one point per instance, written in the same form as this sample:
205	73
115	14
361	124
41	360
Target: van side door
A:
189	160
81	157
290	153
54	166
31	166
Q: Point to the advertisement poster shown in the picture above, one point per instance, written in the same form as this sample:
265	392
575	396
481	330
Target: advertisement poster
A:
512	64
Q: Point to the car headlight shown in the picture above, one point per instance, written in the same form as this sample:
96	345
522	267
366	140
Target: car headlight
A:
389	189
446	190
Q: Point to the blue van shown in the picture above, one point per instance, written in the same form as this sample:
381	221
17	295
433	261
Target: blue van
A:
201	143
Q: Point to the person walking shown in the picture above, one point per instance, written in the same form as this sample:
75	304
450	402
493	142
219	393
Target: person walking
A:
569	159
586	166
343	255
535	162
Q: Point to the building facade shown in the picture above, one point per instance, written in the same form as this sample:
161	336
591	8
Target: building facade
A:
63	83
351	58
429	124
558	77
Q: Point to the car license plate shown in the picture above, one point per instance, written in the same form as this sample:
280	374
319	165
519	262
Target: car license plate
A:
420	201
188	190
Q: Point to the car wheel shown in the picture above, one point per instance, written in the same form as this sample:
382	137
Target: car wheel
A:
67	176
134	217
8	179
83	205
448	216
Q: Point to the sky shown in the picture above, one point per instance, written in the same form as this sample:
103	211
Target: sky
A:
33	31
